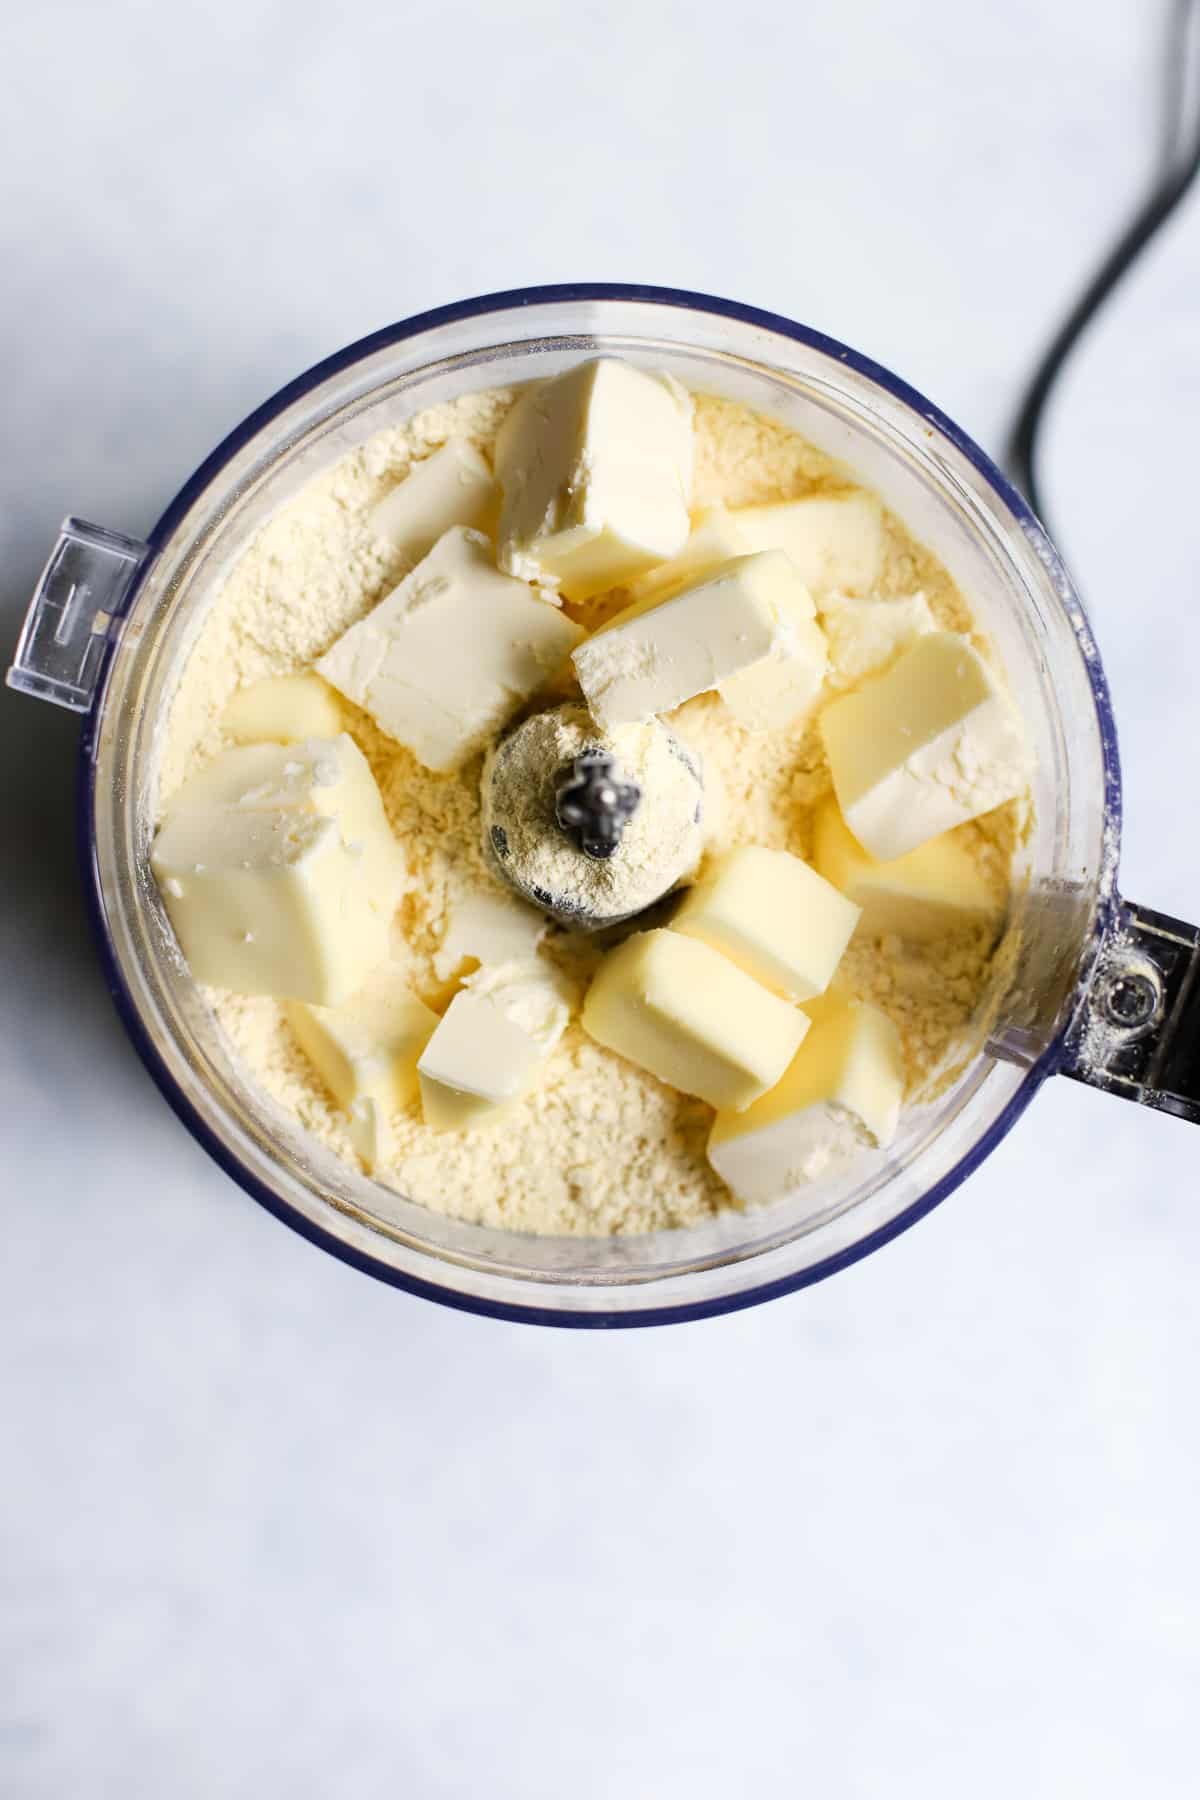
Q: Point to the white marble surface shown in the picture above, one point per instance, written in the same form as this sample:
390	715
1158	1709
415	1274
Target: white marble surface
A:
270	1529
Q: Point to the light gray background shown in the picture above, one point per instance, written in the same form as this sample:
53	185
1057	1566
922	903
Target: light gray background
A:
270	1529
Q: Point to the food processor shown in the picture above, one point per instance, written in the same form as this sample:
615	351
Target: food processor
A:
1101	990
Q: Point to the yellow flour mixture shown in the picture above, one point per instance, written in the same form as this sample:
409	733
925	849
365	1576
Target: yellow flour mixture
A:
600	1146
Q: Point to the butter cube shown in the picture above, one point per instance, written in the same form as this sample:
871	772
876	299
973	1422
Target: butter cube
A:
279	872
324	775
650	660
284	709
842	1091
834	540
492	929
773	916
677	1007
926	746
490	1047
596	472
713	539
366	1050
781	689
935	890
450	654
475	1067
268	903
864	636
452	487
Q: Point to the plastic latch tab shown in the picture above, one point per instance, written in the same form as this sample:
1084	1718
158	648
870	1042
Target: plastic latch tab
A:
79	597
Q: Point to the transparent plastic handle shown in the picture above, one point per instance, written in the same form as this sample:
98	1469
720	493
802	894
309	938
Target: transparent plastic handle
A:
1138	1035
79	598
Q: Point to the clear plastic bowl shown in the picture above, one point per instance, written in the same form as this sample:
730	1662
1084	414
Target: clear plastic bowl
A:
951	497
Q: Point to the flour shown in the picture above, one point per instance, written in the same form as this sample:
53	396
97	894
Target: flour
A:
599	1146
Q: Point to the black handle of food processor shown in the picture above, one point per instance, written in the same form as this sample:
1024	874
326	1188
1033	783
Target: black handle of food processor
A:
1138	1035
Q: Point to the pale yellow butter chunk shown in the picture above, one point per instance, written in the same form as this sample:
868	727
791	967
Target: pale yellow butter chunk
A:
834	540
267	903
926	746
842	1091
279	871
713	539
931	892
451	653
284	709
454	486
367	1051
650	660
324	775
773	916
491	1045
489	928
781	689
680	1009
864	636
595	467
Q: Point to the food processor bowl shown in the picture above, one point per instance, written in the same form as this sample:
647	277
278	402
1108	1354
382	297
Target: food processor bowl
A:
1100	990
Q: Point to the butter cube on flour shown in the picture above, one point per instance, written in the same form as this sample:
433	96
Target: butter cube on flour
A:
452	487
864	636
781	689
451	653
367	1049
491	928
932	891
713	539
596	471
926	746
284	709
773	916
490	1047
678	1008
835	541
279	870
324	775
842	1091
648	660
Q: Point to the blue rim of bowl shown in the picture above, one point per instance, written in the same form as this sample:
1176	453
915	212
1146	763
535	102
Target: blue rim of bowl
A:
678	299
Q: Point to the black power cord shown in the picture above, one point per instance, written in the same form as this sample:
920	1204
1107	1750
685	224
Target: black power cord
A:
1179	169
